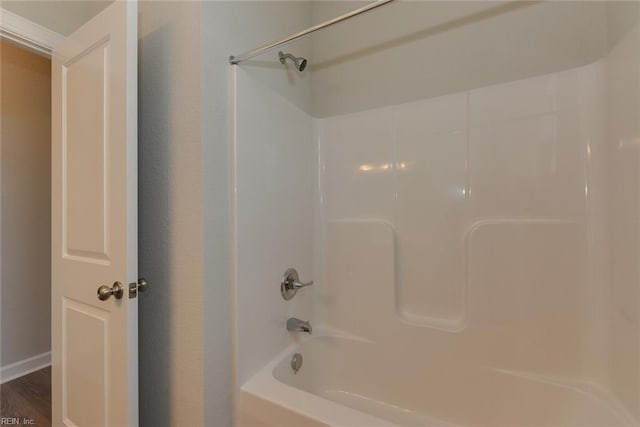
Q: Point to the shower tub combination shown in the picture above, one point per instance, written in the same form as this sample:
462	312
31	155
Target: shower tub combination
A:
349	382
470	218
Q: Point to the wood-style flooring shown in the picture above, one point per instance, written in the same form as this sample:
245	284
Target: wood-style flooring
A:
28	397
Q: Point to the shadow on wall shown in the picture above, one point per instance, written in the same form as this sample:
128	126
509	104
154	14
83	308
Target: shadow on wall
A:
154	224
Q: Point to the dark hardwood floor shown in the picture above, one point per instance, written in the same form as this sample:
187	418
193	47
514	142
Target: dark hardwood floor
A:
28	397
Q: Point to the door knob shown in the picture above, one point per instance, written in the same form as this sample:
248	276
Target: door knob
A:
140	286
104	292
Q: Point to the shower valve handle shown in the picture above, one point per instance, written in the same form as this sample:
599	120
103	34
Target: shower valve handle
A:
290	284
297	285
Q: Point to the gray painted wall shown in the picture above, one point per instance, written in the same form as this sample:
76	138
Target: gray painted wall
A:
170	215
25	188
444	47
231	27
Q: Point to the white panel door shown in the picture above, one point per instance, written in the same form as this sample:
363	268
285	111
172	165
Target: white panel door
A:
94	202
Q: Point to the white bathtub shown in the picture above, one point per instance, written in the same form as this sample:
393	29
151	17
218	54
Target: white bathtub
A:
347	382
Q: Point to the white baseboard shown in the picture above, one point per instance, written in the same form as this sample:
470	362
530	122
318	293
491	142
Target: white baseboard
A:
24	367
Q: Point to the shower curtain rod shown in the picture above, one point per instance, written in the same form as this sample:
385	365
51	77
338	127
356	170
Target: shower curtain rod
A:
262	49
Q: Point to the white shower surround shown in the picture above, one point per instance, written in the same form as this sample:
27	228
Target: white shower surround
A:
515	180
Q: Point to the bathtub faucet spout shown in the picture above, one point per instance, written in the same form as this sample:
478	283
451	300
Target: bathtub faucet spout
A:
297	325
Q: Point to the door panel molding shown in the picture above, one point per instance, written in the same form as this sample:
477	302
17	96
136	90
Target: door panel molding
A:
85	330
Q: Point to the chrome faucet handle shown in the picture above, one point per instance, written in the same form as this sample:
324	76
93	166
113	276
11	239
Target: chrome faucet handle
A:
298	285
290	284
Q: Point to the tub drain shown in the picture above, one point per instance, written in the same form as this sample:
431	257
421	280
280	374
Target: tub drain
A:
296	362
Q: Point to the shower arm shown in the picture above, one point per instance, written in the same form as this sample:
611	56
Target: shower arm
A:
233	60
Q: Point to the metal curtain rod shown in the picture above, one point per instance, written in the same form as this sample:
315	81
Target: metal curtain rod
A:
255	52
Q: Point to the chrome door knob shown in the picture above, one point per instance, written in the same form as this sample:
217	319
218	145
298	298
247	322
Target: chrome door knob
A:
140	286
105	292
290	284
143	285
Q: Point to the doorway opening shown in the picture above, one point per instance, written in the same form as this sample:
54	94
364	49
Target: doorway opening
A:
25	227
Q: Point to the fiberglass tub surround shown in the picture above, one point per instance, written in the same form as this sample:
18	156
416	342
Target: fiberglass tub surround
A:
473	237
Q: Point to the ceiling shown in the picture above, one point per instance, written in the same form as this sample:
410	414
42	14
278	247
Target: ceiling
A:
63	17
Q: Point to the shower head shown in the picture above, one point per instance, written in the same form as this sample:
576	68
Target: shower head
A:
298	61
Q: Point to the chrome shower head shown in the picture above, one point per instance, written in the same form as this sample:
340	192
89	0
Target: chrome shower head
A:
298	61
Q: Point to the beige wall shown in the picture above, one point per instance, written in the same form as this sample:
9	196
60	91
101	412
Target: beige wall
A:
25	155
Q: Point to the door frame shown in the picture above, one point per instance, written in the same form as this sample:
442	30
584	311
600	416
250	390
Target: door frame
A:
28	34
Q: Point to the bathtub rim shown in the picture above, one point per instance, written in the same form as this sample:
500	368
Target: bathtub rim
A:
265	386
